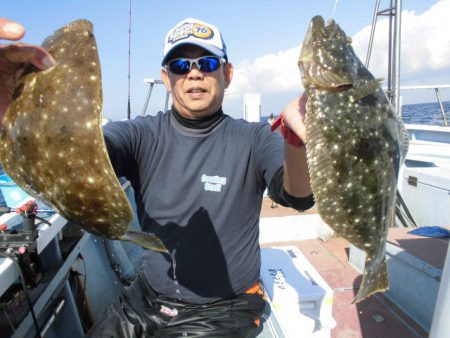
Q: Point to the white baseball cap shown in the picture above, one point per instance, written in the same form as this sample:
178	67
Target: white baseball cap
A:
194	32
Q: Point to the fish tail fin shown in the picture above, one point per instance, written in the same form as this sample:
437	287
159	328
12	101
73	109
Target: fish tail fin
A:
146	240
375	279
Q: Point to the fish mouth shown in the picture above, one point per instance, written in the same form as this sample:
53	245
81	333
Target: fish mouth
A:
315	74
325	59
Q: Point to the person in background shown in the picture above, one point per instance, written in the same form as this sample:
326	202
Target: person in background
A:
271	119
199	177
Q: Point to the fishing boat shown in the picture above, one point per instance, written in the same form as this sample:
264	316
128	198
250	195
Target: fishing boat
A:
66	278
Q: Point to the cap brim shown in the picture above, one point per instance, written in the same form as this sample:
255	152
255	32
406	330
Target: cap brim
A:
213	49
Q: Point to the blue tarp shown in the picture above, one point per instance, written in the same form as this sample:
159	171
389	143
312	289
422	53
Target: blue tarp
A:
431	231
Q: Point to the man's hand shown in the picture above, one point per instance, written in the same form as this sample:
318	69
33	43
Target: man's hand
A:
294	116
14	57
296	177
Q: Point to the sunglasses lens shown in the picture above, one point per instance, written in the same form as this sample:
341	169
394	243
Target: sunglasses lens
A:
180	66
208	64
205	64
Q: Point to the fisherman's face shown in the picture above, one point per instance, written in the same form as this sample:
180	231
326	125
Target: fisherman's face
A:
196	94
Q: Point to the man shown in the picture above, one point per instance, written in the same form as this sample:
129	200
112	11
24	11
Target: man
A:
199	177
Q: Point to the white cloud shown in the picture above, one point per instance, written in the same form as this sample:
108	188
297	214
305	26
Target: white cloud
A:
425	46
266	74
425	41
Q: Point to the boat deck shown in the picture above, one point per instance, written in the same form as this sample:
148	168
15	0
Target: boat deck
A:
376	316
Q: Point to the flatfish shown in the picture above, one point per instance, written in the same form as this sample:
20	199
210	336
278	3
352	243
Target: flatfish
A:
355	146
51	140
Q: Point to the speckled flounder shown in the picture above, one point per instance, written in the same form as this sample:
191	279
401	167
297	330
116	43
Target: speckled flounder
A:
52	142
355	145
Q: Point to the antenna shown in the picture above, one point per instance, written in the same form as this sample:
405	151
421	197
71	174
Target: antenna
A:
129	64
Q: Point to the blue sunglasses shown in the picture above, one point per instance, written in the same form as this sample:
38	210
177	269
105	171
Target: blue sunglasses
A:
205	64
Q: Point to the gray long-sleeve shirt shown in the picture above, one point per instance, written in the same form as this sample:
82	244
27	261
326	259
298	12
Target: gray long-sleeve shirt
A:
200	191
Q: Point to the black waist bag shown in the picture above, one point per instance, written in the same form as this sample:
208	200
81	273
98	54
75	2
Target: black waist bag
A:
139	312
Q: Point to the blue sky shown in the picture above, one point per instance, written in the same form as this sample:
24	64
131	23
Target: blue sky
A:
262	37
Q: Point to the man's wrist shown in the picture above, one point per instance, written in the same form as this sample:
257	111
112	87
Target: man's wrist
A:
291	137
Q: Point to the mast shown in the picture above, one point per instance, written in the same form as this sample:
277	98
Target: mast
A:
393	74
396	56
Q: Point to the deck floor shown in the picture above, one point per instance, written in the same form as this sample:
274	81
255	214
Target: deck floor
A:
373	317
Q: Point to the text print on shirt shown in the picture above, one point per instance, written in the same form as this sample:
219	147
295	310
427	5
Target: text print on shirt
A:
213	183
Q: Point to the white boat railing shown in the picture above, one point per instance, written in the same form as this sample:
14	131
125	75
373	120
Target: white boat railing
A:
152	83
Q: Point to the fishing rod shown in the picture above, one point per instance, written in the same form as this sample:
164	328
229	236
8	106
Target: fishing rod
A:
129	63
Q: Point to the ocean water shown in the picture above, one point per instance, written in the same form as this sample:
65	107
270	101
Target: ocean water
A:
426	113
2	200
422	113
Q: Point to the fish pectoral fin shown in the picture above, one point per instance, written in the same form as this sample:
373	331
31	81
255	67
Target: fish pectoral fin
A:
146	240
365	88
375	279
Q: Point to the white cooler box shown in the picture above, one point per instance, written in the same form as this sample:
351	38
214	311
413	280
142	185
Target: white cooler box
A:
426	192
300	298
